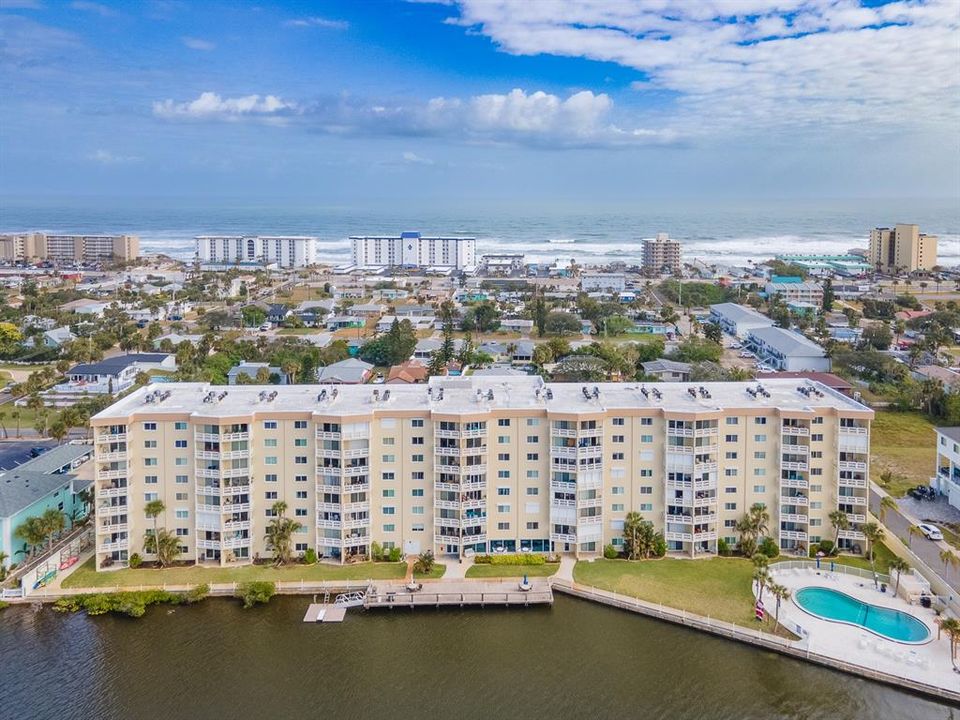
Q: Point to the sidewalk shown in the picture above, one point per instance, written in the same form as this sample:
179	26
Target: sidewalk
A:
457	570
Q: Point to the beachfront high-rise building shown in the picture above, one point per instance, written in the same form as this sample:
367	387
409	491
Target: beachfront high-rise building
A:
901	249
476	463
411	249
288	251
661	255
68	248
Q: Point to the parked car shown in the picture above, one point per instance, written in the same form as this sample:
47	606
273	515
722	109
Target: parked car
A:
746	354
266	326
37	451
931	532
735	346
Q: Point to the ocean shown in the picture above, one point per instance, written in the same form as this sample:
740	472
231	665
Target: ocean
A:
727	233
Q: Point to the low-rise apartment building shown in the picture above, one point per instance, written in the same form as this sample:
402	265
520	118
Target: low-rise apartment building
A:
287	251
476	464
68	248
411	249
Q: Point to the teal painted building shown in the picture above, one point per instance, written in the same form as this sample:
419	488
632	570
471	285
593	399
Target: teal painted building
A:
37	485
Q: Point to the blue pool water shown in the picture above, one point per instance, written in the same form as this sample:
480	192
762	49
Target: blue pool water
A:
839	607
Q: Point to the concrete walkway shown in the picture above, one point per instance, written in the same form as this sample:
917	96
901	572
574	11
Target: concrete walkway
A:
567	564
457	570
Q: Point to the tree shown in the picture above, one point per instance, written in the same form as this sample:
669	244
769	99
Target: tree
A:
425	562
538	313
152	510
840	521
899	566
873	534
10	338
32	532
3	565
483	317
828	295
886	503
16	414
641	539
951	626
713	332
912	532
949	559
781	593
562	323
164	544
253	315
615	325
53	521
393	347
696	349
280	532
878	337
752	526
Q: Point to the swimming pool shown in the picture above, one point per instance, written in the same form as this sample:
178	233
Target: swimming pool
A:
836	606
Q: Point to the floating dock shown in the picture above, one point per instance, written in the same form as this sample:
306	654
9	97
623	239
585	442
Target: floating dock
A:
460	594
319	612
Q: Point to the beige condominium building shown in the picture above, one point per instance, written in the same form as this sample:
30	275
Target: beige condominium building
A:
661	254
68	248
902	249
476	463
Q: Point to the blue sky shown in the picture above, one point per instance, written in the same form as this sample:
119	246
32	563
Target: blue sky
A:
597	101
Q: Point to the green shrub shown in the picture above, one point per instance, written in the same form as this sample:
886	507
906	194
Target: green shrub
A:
424	563
133	603
610	552
723	547
310	556
511	559
135	561
376	551
659	545
396	554
4	604
826	547
197	593
256	591
769	547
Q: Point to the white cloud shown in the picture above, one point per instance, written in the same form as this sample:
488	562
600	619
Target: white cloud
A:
105	157
197	43
411	158
754	63
210	106
319	22
92	7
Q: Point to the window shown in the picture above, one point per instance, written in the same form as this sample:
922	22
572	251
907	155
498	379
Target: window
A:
418	440
617	438
149	444
730	456
816	505
179	426
759	455
646	507
617	490
270	495
647	472
758	472
150	462
503	439
730	489
619	421
416	458
181	461
181	514
503	474
818	420
730	472
730	438
503	491
646	421
301	547
389	527
646	490
730	506
300	424
388	441
416	476
533	526
503	422
270	460
759	488
503	457
816	488
503	526
299	442
533	438
816	454
646	438
179	443
416	492
300	512
816	437
389	493
760	438
733	421
618	456
617	507
533	457
388	476
181	480
150	497
389	510
418	423
816	471
300	460
503	508
729	523
417	527
533	422
269	424
759	421
299	478
533	491
150	479
270	477
417	509
387	458
270	442
151	426
816	522
182	532
301	494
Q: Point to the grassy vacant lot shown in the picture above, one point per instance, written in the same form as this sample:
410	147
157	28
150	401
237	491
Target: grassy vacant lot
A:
86	576
492	571
903	443
719	588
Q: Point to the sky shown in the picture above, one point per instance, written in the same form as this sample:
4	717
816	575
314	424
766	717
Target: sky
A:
516	101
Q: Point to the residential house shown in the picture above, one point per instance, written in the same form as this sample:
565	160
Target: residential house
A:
111	375
522	352
278	313
407	372
341	322
787	350
737	319
346	372
516	325
250	370
367	309
667	370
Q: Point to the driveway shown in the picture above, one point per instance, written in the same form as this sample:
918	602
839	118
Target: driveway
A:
927	550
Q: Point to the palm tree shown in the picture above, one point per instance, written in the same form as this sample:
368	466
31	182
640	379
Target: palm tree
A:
53	521
152	510
16	415
949	559
873	534
753	525
280	531
899	566
886	503
951	626
3	427
3	565
32	532
912	532
840	521
761	576
781	593
165	545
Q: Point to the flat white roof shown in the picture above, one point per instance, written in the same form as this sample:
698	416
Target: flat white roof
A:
471	394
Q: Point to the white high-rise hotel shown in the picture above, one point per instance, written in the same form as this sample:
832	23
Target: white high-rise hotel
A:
477	463
411	249
291	251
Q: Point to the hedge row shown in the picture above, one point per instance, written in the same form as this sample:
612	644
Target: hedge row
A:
520	559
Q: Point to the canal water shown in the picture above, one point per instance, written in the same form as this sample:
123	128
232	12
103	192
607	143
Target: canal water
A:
574	660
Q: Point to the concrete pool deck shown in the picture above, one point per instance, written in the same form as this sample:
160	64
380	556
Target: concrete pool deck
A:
927	662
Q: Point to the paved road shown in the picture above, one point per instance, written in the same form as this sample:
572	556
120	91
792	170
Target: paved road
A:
926	550
16	452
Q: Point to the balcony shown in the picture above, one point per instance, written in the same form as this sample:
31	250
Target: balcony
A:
232	525
202	437
325	435
796	483
230	490
679	484
446	504
449	451
680	432
205	508
706	432
704	535
795	431
856	518
563	537
355	541
235	472
110	528
847	430
795	449
328	487
112	491
795	518
852	500
795	500
112	456
327	453
797	466
113	546
704	467
354	523
707	518
705	501
447	522
112	510
356	487
853	466
852	482
446	539
793	535
106	474
233	543
213	473
355	470
678	536
204	544
678	450
108	438
330	524
851	535
680	519
562	486
235	507
590	502
562	503
211	490
231	437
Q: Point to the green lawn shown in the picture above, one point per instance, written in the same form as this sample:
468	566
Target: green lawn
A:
903	443
86	576
882	553
718	587
301	331
493	571
437	572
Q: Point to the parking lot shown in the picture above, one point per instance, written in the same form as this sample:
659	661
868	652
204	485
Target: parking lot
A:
16	453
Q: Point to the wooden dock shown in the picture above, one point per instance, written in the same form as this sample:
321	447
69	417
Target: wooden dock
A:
460	594
319	612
